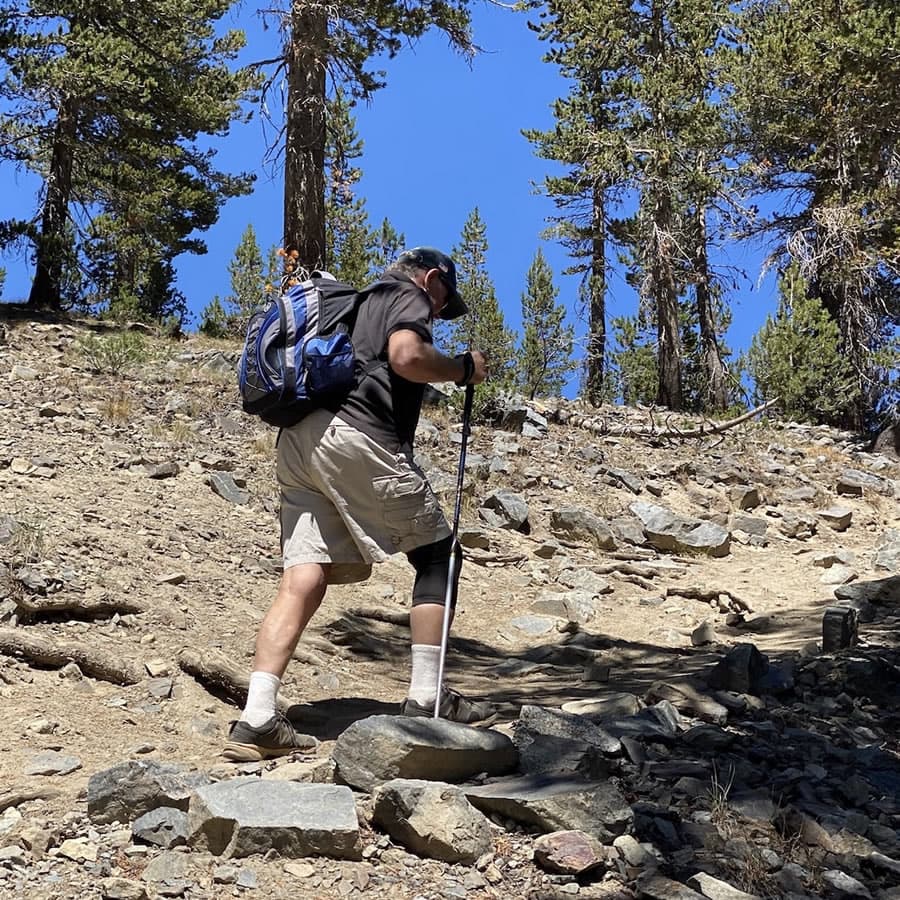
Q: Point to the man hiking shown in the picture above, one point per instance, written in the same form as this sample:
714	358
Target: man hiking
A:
351	495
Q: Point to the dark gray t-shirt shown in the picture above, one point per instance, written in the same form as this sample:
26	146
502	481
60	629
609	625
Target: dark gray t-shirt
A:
383	405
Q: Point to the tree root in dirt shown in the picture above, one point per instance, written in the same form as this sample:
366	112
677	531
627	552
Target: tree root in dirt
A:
44	651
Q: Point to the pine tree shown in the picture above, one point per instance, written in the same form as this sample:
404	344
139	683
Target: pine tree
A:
633	360
640	123
346	221
484	327
817	84
796	357
108	103
547	344
323	40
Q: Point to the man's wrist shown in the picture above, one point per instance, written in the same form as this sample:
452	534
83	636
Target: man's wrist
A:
468	368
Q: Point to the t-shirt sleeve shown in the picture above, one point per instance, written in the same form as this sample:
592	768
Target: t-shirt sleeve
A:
410	310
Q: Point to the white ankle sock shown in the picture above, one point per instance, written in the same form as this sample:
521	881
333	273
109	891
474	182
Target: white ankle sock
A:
425	662
261	698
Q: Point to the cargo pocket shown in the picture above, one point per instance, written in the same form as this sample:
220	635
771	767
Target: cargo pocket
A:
412	515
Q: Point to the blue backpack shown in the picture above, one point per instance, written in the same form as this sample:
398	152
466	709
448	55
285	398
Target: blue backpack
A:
297	354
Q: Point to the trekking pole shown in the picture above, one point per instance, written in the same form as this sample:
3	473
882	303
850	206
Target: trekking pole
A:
451	570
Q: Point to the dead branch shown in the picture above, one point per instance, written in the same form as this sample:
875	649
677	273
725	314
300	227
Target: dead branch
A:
625	568
45	652
15	796
603	427
219	675
707	595
392	617
500	558
645	583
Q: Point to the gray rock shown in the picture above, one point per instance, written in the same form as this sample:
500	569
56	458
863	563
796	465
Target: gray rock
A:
717	890
514	419
550	742
740	670
843	885
836	517
557	803
800	495
568	852
688	698
432	819
169	867
474	538
667	531
744	496
165	827
606	707
574	523
163	470
243	816
122	889
627	531
574	606
623	478
750	525
888	442
887	551
224	485
381	748
135	787
883	591
506	509
536	626
586	580
852	482
840	628
838	575
657	887
52	762
797	525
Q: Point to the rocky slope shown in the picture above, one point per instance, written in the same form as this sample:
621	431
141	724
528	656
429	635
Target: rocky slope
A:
647	611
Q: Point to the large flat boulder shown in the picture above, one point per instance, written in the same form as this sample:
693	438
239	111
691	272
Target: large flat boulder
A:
243	816
381	748
666	530
557	803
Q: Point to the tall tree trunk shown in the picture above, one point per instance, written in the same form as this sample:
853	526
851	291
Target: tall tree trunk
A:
46	289
596	350
304	165
665	295
709	344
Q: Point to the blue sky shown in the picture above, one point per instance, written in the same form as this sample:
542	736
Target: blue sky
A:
442	138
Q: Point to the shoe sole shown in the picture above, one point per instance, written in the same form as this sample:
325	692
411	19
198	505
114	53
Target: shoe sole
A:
253	752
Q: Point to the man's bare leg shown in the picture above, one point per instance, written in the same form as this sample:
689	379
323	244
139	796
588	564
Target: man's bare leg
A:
299	596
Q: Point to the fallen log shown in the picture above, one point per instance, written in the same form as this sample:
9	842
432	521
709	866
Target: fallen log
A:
44	651
705	429
86	607
391	616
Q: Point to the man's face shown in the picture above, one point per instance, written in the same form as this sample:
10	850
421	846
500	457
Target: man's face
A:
437	290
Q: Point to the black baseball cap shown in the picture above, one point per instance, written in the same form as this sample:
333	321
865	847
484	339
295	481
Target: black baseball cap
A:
431	258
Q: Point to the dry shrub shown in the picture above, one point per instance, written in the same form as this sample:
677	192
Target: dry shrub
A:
118	409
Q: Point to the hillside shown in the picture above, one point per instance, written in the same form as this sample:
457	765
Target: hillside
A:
139	538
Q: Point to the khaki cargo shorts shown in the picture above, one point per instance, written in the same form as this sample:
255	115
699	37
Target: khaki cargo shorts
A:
347	501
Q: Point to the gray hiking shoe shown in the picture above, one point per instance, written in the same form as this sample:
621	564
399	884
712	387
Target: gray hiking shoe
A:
453	707
276	737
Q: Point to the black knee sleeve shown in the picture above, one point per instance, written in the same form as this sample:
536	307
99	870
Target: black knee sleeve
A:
432	565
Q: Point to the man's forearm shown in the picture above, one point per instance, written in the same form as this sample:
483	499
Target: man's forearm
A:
424	363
